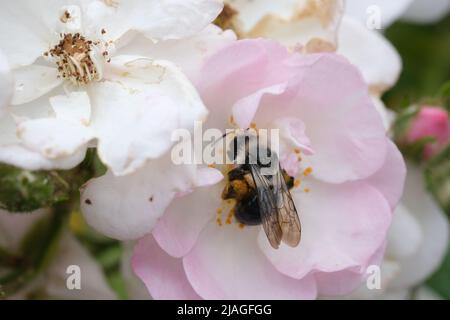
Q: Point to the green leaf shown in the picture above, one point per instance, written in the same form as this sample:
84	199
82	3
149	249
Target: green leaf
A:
425	51
444	95
26	191
440	281
37	249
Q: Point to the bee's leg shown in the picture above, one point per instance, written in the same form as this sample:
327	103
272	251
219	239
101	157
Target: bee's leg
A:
288	179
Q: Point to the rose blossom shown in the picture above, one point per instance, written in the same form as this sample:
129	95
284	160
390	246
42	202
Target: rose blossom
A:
430	122
127	207
77	84
349	180
315	26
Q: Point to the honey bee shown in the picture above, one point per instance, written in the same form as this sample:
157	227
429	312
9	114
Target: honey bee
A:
261	198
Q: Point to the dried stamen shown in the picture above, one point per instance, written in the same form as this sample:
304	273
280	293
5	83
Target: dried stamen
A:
77	59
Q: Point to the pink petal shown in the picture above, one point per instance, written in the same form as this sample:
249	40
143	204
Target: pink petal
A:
344	282
128	207
163	275
431	122
390	179
329	95
237	71
227	264
342	227
178	229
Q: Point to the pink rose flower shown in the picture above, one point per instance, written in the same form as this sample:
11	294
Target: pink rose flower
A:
430	122
350	178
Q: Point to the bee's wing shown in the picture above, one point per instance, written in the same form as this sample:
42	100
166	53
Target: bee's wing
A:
287	213
267	207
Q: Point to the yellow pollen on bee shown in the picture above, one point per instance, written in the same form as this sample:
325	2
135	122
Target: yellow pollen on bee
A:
307	171
219	211
297	183
253	125
230	216
232	120
219	222
307	190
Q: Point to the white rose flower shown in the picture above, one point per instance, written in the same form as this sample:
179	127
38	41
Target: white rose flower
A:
77	85
127	207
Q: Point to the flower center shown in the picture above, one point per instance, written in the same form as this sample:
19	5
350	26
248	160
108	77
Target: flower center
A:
78	59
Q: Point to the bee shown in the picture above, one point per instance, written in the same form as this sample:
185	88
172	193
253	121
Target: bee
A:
261	198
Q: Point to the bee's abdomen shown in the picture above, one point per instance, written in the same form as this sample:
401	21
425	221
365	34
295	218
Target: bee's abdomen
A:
247	211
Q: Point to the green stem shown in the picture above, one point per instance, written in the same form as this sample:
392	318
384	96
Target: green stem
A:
38	250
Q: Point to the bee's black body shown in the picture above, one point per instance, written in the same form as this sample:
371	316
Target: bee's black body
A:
247	210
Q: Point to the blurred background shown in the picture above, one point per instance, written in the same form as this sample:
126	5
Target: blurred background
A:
425	51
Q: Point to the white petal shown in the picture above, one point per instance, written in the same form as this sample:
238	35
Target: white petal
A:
251	12
74	108
6	83
417	267
32	82
13	152
421	11
93	282
128	207
312	25
136	111
188	54
374	56
25	33
53	138
405	235
160	19
387	115
389	10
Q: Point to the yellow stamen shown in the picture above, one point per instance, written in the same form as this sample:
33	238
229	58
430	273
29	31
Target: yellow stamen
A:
307	171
